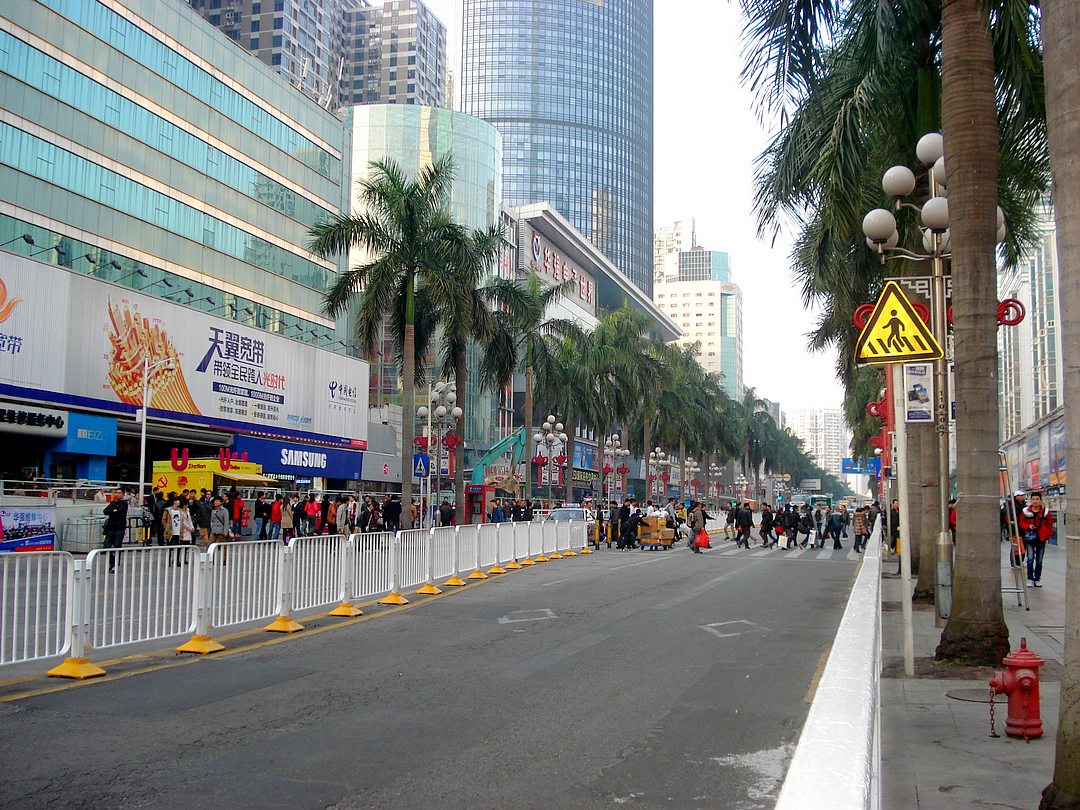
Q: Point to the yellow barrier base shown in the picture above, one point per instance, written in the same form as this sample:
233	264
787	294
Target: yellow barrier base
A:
585	550
283	624
478	574
529	561
496	569
454	582
428	589
346	609
513	565
78	668
200	645
393	599
542	558
569	553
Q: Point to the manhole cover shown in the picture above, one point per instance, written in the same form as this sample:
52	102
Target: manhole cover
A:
970	695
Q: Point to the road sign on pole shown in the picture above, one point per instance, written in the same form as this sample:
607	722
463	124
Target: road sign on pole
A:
895	333
420	465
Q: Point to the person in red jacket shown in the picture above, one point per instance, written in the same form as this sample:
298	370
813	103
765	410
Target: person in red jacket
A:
275	518
237	506
1036	527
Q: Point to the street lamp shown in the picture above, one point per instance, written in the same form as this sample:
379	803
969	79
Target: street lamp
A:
692	470
741	485
714	476
441	414
616	454
657	459
148	368
552	432
882	236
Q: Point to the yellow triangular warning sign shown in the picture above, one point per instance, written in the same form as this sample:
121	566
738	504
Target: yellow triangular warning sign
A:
895	333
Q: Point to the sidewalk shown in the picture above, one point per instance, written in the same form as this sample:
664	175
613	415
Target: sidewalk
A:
936	750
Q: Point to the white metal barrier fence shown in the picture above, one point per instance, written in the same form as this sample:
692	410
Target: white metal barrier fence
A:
52	605
36	591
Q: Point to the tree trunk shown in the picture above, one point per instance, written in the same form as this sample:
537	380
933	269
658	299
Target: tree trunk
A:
408	396
1061	38
529	422
976	631
682	469
646	441
924	516
568	451
462	381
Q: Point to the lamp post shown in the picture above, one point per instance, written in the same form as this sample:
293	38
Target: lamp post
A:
441	414
741	485
169	363
614	453
882	236
714	477
552	432
692	470
657	457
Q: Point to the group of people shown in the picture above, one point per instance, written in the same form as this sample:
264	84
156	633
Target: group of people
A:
513	510
787	523
624	521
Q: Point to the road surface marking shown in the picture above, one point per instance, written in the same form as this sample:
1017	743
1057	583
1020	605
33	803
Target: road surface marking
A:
539	615
825	555
643	562
798	552
556	582
712	628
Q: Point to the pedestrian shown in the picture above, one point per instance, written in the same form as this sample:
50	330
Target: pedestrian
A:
765	528
311	515
836	528
331	519
219	522
861	530
497	514
414	513
160	505
203	507
187	525
952	519
392	514
262	515
236	505
1037	526
173	521
275	518
288	524
115	524
299	516
696	522
351	510
894	525
744	522
729	525
446	513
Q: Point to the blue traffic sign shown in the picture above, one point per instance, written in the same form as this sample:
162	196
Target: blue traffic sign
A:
420	465
871	466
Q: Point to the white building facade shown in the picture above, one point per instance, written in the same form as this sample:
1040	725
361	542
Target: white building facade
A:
825	436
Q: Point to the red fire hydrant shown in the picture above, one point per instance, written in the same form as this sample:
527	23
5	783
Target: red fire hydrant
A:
1020	681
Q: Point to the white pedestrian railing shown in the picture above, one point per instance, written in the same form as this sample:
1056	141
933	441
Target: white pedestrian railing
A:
843	725
140	594
36	591
53	605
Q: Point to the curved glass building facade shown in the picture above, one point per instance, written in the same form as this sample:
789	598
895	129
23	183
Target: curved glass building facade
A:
569	84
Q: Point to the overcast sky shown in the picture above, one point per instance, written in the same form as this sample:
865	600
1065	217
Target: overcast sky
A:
706	138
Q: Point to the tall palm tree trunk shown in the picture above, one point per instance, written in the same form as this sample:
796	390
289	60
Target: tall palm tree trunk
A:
462	381
529	422
646	441
408	393
976	631
1061	38
568	450
924	515
682	469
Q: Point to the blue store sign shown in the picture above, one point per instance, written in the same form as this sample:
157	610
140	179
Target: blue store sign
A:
88	434
301	459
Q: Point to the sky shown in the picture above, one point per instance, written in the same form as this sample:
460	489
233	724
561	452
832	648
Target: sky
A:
706	137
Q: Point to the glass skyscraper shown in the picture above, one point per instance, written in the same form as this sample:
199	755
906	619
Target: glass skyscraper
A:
569	84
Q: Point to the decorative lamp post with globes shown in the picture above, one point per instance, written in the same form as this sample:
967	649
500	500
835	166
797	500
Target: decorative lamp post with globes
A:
441	414
714	476
552	432
882	236
614	462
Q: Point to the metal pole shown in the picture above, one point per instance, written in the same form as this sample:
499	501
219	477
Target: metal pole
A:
943	600
905	517
142	431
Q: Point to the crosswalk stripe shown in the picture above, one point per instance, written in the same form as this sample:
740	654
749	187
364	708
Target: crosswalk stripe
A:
762	553
791	555
854	556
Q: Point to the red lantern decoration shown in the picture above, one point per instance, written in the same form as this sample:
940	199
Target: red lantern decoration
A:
539	460
608	470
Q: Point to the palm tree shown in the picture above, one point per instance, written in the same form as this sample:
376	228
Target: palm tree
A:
463	313
752	428
975	632
521	323
1062	36
405	232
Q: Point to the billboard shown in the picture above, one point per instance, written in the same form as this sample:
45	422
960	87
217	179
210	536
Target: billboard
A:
810	484
919	392
74	340
27	528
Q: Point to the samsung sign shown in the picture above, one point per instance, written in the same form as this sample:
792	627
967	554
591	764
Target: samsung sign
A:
289	458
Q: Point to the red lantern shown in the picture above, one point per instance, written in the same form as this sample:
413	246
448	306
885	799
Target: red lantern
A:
539	460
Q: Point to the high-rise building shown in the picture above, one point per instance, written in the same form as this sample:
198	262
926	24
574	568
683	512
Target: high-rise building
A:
569	84
674	238
342	52
157	188
1031	371
697	293
825	436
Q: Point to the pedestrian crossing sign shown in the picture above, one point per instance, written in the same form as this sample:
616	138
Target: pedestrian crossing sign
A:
895	333
420	465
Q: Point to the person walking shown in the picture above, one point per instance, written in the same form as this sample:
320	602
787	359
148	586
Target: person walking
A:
744	522
236	505
203	507
446	513
311	515
392	514
115	524
331	519
729	525
696	521
1037	527
835	527
287	518
894	525
497	514
765	527
173	521
262	516
861	530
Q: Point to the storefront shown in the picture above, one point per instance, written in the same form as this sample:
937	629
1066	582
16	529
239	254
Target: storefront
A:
302	466
74	344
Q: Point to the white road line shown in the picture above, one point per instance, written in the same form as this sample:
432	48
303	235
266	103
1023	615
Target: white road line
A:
556	582
854	556
643	562
791	555
825	555
730	551
762	553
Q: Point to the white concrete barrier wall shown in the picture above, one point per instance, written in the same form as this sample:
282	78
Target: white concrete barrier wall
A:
837	762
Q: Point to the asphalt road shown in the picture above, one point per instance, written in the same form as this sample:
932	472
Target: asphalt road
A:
622	679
